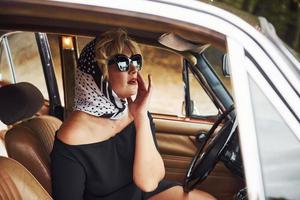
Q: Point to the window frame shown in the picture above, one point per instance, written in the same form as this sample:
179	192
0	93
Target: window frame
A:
55	107
261	64
5	45
186	70
206	77
47	67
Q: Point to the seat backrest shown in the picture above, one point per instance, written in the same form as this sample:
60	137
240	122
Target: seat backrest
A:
30	138
17	183
3	127
30	143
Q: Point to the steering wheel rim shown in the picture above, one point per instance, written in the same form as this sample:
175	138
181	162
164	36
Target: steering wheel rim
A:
204	161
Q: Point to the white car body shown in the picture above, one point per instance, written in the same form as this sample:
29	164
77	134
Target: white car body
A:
256	63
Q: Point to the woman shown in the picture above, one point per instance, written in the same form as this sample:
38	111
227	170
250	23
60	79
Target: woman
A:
106	149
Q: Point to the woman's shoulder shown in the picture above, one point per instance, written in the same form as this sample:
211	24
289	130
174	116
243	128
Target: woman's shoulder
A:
74	130
81	128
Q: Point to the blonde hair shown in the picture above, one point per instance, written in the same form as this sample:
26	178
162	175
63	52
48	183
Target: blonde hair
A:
110	44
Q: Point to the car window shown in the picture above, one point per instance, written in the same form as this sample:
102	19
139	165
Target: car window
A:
5	78
278	147
26	61
168	92
5	71
202	104
53	40
165	68
214	57
82	41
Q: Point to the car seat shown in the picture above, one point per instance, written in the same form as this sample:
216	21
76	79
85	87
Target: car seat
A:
30	138
17	183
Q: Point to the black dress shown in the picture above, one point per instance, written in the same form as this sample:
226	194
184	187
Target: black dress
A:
99	171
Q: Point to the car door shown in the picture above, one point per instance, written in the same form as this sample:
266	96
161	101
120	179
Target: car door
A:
179	126
268	111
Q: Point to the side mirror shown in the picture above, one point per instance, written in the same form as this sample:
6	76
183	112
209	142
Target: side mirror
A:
225	65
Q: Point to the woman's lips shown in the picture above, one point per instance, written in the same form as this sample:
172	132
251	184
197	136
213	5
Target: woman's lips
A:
132	81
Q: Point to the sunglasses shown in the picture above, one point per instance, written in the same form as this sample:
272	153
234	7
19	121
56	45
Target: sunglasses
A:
123	62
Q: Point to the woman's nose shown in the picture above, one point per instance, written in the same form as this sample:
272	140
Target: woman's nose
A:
132	69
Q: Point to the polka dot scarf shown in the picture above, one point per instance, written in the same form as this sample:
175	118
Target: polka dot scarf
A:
93	95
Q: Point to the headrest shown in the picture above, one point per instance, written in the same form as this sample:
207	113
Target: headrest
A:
19	101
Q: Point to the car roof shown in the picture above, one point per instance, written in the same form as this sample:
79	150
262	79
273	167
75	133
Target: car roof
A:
67	17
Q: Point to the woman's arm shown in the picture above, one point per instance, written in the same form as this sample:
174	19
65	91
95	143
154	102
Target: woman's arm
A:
148	167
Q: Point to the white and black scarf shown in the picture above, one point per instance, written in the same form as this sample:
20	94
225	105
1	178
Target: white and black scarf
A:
93	94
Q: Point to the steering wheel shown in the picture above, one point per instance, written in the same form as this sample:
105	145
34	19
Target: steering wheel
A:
209	152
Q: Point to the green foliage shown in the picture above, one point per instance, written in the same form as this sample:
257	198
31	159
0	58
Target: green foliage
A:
283	14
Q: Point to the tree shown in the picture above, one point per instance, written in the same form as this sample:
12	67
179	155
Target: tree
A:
283	14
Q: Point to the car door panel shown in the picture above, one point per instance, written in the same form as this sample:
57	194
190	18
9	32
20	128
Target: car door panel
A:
177	145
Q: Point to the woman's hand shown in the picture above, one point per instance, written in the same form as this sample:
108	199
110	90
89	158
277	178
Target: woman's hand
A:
139	106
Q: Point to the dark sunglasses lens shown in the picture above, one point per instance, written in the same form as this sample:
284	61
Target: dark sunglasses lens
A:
123	63
136	61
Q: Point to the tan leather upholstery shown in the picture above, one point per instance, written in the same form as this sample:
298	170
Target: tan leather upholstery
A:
16	183
30	143
176	142
180	127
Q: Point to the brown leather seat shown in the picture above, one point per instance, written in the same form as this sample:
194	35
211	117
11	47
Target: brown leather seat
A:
3	127
17	183
30	143
30	139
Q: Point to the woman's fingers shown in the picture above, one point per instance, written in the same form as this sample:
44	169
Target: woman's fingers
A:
142	84
129	100
149	83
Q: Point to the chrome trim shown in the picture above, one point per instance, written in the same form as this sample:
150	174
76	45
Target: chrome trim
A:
9	58
4	39
276	78
9	34
246	121
272	96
